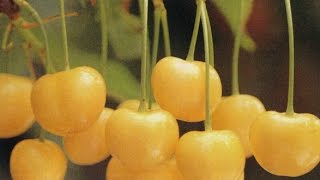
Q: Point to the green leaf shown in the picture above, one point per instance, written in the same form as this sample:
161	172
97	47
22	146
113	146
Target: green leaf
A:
125	32
231	13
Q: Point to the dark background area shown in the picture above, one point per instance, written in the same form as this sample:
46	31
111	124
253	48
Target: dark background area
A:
263	73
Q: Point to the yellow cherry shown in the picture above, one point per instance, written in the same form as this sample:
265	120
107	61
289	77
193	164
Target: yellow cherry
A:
141	140
16	114
236	113
210	155
286	145
69	101
32	159
89	146
179	87
165	171
134	104
241	177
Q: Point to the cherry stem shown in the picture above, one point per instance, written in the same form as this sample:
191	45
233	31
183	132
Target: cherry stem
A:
28	53
204	21
194	37
290	109
165	30
35	15
27	35
155	45
236	52
5	37
42	135
142	106
104	7
29	38
64	36
31	25
211	46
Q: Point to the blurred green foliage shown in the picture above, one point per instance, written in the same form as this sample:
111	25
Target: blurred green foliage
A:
231	11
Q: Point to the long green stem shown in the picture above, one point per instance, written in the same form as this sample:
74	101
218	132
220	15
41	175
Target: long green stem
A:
35	15
235	65
149	98
156	33
235	55
142	106
211	46
104	33
204	21
155	45
64	36
166	34
5	36
290	109
193	43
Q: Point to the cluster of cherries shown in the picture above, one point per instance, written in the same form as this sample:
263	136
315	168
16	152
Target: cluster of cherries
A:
145	144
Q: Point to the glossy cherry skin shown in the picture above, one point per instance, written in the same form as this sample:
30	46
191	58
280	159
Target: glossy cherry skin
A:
179	87
69	101
210	155
141	140
286	145
165	171
16	114
236	113
241	177
89	147
32	159
134	104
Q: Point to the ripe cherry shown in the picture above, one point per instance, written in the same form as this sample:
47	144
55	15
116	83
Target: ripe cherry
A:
286	145
179	87
69	101
236	113
165	171
32	159
141	140
16	114
241	177
134	104
210	155
89	146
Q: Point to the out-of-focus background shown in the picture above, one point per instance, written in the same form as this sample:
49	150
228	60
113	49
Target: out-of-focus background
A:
263	73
